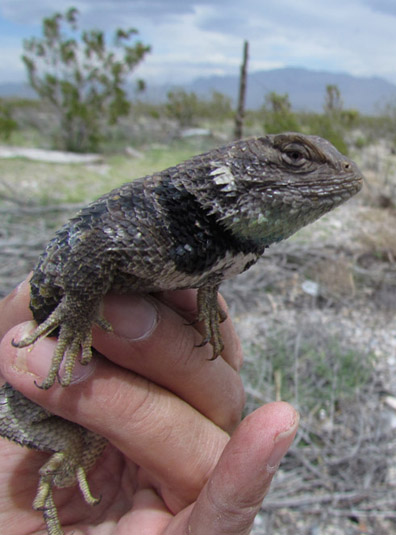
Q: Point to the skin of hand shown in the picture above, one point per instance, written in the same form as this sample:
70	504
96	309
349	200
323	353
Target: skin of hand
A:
171	467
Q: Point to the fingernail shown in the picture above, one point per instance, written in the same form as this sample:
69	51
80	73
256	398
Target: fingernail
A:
281	445
36	359
131	316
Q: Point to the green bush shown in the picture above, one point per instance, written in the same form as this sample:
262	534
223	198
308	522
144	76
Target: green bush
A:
81	78
7	123
277	114
325	126
188	109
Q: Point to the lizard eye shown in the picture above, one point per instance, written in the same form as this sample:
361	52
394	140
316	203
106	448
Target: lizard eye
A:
294	157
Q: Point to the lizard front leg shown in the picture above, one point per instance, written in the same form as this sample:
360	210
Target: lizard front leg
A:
211	314
74	318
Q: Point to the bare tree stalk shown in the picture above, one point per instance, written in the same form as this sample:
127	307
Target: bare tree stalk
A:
240	114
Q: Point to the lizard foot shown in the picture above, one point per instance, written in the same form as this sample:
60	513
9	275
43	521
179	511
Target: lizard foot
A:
74	319
211	314
65	468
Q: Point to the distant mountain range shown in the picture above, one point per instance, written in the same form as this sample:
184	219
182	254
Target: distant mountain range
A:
306	89
14	89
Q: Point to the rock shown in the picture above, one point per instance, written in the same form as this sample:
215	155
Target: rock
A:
49	156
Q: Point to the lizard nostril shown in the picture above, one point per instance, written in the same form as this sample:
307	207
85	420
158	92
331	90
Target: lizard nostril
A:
347	166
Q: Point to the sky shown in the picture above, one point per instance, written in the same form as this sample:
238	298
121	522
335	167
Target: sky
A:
193	38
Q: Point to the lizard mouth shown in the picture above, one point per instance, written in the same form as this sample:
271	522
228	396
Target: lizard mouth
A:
337	188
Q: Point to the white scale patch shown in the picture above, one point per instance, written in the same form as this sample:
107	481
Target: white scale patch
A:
222	176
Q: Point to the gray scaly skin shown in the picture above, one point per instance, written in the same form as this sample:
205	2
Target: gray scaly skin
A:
190	226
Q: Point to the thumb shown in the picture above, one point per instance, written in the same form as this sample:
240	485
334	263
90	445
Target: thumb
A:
233	495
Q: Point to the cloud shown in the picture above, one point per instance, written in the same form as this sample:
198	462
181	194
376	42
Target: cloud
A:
385	6
31	13
190	38
103	11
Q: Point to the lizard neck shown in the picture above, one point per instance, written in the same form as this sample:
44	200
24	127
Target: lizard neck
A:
199	239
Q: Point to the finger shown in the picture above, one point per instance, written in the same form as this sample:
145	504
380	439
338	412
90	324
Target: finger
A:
154	428
14	308
168	355
185	303
233	495
213	388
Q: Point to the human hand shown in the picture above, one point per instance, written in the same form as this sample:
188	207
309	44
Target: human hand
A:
171	467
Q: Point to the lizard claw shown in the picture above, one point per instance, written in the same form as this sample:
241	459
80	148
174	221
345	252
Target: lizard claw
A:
42	330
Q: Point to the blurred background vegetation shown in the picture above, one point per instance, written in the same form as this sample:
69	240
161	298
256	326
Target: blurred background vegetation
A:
34	122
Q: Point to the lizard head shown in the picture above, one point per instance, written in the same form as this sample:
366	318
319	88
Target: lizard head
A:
266	188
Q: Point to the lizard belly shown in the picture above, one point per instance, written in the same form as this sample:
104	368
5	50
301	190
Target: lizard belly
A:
230	265
173	278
